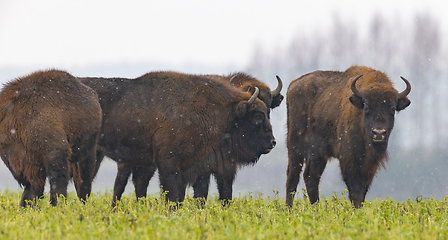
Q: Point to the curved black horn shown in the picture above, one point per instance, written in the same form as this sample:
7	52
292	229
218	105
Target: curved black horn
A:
255	95
232	80
406	91
356	91
279	87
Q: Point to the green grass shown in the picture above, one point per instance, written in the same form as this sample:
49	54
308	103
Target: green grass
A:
248	217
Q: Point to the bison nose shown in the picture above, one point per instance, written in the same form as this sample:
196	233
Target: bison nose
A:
379	135
273	142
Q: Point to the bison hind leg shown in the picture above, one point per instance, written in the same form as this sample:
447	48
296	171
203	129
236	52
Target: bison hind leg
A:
123	173
84	165
296	157
58	173
82	178
315	166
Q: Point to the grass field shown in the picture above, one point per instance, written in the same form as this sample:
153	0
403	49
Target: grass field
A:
248	217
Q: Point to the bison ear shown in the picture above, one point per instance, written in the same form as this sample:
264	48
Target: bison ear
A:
276	101
357	101
403	103
241	109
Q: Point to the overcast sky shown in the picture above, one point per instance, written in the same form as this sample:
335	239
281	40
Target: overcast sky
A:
63	34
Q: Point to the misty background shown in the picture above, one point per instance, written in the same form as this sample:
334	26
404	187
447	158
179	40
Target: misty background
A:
262	39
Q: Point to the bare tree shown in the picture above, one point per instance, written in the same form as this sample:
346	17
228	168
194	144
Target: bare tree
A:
425	49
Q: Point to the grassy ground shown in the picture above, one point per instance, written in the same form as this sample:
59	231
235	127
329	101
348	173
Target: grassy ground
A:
249	217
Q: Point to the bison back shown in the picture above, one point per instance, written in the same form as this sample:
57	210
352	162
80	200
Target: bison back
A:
41	112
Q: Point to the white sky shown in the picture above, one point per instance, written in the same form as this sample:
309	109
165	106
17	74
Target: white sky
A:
80	33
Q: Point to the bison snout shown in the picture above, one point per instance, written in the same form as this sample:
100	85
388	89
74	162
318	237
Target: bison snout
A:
273	143
268	146
379	135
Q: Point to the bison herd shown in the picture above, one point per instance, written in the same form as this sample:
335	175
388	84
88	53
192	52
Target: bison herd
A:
188	127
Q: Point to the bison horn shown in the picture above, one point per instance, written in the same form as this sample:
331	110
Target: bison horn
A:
255	95
356	91
406	91
279	87
232	80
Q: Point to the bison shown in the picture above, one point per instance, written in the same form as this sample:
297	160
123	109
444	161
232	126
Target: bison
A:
187	126
346	115
48	120
247	83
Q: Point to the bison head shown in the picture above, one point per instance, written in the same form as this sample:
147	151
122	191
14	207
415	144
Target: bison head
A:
252	129
272	99
379	105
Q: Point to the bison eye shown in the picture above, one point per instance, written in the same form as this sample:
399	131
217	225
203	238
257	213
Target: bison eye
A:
258	119
392	111
366	109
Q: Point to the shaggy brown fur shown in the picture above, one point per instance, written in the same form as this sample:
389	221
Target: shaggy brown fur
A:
188	125
326	119
47	120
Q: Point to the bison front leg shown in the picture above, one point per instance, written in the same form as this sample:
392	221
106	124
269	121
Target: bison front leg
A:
182	191
201	186
170	181
357	189
315	166
141	175
225	184
31	194
123	173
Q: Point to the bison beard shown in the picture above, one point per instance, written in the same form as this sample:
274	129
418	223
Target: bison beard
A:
185	125
47	120
346	115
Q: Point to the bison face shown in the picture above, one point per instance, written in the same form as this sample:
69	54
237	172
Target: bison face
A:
379	106
379	117
261	128
252	129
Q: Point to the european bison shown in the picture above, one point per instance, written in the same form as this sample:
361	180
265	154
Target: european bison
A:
245	83
141	174
47	120
187	126
346	115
